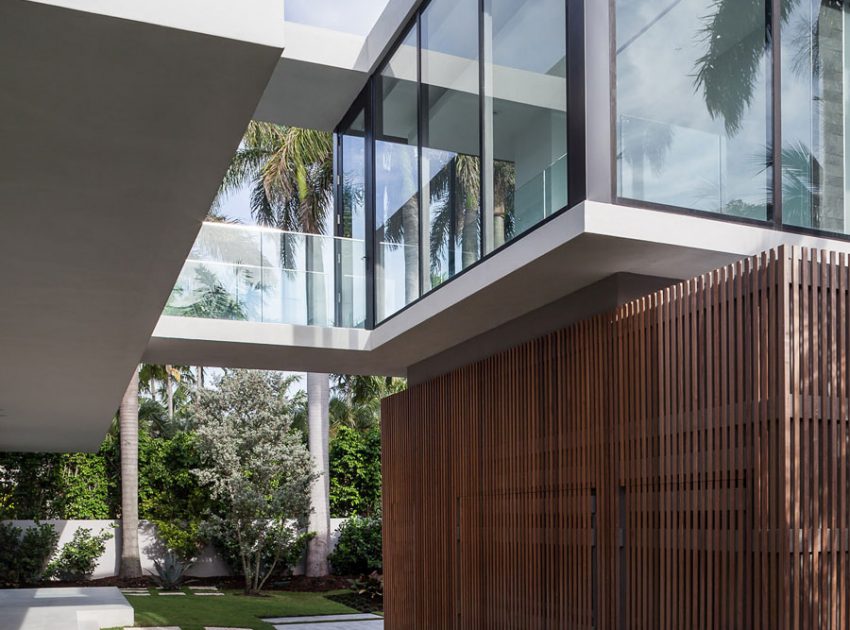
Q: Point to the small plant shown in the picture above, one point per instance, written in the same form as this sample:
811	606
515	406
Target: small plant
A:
78	558
358	550
371	586
24	553
171	572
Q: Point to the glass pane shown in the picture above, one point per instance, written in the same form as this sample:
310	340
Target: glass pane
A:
815	47
267	275
451	165
354	179
693	104
529	105
350	250
396	183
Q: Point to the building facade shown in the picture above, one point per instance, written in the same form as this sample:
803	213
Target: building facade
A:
522	191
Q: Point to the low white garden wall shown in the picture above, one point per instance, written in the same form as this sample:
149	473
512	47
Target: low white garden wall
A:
208	564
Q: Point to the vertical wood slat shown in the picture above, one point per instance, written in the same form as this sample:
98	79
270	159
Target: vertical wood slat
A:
708	425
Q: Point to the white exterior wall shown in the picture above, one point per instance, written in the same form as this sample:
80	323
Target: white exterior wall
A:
209	563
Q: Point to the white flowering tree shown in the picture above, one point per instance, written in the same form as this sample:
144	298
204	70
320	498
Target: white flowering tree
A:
257	469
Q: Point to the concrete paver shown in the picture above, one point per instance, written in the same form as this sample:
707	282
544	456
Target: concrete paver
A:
333	625
323	618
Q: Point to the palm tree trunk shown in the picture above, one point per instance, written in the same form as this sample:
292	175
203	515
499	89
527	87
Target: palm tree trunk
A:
318	397
499	223
169	388
128	420
469	236
831	47
410	227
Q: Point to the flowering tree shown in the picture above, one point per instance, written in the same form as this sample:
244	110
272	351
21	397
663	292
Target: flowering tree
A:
256	467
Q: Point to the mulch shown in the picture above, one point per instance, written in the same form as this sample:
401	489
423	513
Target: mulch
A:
298	583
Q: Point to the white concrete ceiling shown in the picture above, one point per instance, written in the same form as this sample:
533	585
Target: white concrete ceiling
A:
323	70
115	135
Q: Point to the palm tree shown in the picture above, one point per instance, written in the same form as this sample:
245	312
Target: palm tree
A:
128	420
290	171
356	402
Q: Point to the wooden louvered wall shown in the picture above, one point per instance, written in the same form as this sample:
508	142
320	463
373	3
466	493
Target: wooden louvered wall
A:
680	463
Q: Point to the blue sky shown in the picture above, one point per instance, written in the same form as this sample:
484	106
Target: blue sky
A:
349	16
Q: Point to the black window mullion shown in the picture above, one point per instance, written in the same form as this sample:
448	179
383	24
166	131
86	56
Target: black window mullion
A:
421	135
338	226
774	35
576	112
370	210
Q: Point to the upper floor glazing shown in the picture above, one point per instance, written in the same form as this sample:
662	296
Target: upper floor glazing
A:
488	117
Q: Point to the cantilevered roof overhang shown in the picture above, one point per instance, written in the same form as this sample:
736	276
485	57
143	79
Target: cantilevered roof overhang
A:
117	121
575	250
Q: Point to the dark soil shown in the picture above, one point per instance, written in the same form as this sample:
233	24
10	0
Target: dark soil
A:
298	583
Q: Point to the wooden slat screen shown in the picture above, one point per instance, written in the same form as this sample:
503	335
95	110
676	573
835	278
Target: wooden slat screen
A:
679	463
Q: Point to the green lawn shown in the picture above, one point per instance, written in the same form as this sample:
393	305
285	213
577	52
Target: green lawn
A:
192	612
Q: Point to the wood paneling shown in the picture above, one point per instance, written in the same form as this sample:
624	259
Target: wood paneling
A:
679	463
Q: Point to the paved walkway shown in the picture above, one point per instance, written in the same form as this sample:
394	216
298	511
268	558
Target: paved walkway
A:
323	622
63	608
328	622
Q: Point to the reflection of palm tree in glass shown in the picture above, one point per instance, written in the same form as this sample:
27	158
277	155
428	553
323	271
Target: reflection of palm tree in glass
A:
290	171
643	141
455	204
727	78
401	227
735	45
456	207
210	299
800	191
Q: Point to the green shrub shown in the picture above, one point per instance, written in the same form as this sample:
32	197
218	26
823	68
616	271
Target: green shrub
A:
170	572
78	558
355	472
285	557
358	550
24	553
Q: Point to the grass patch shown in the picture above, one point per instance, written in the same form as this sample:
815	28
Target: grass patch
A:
192	612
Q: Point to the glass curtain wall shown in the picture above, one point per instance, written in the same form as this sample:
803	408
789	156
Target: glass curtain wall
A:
351	254
526	69
693	106
815	49
470	139
397	181
451	143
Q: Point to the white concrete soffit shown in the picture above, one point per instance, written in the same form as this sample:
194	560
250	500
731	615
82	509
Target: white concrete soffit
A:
322	71
252	21
576	249
118	127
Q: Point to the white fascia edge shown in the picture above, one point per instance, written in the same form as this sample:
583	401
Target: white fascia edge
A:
696	232
589	217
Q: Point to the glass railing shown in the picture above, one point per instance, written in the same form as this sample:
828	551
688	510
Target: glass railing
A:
266	275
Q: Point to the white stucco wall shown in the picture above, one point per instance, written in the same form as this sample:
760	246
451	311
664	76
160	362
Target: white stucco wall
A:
208	564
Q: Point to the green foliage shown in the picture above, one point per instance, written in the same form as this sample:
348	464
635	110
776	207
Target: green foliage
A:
37	486
208	299
355	472
358	550
24	553
171	572
255	465
170	495
371	586
357	400
290	552
78	558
